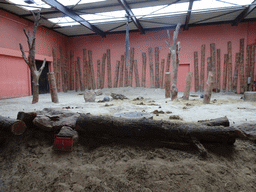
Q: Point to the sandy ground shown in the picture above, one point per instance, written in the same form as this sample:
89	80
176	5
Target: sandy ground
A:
29	163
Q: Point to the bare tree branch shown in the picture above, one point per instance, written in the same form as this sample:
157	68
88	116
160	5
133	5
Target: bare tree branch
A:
23	54
42	67
28	37
175	36
36	23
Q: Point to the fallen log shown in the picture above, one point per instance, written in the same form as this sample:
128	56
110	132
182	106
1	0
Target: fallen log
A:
17	127
27	118
99	126
222	121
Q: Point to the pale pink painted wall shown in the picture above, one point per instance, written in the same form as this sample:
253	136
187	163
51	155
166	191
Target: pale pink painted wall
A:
15	78
191	41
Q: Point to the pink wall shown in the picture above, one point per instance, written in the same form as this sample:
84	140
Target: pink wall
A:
11	27
16	82
191	41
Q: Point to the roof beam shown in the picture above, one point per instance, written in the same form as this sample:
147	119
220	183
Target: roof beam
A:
74	16
244	13
130	13
188	14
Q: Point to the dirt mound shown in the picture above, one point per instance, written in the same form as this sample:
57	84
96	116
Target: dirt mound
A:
28	163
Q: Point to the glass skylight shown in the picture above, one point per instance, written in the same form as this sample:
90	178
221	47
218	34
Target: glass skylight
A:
30	7
74	2
64	21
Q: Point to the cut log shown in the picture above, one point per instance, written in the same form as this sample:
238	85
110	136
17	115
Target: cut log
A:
209	87
161	78
103	70
109	69
131	67
17	127
167	84
80	74
200	147
247	72
153	129
168	62
152	79
157	85
222	121
213	64
229	71
72	71
252	63
209	65
218	72
241	71
27	118
91	70
53	87
121	80
224	86
187	86
116	73
235	77
98	75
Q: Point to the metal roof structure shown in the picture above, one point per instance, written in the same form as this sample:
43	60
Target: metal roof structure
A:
102	17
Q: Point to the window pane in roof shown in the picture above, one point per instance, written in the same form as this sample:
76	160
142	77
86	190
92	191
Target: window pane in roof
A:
74	2
38	4
64	21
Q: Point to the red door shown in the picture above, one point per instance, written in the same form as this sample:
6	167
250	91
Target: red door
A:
182	74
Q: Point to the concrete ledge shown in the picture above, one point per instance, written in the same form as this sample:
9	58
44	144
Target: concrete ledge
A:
250	96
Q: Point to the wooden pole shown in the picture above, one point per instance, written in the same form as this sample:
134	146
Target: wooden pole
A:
241	71
116	73
236	72
85	71
103	70
157	67
167	84
121	81
209	65
202	68
72	69
213	64
218	71
53	87
131	67
224	81
196	71
80	74
152	78
62	70
91	70
247	72
187	86
109	69
252	60
126	75
98	75
144	67
137	79
54	62
58	76
162	74
229	66
168	62
77	74
209	87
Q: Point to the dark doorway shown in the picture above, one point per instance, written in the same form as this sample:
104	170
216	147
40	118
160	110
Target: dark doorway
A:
43	80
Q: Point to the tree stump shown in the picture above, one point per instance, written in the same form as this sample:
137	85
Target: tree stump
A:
17	127
209	86
53	87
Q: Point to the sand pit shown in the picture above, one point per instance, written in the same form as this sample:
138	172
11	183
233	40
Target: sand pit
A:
28	162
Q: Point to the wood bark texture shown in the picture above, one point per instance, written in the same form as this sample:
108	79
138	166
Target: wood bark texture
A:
17	127
121	81
162	74
91	70
109	69
229	66
137	79
235	77
103	70
224	81
116	73
152	79
196	75
131	67
241	70
98	75
157	85
187	86
202	68
209	87
144	69
222	121
53	87
167	84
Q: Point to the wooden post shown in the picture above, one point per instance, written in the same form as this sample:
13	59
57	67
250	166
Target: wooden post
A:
187	86
98	75
76	79
54	62
209	87
137	79
209	65
247	72
91	70
236	72
109	69
241	71
58	76
196	71
229	66
157	67
121	81
176	61
53	88
213	64
162	74
218	71
252	63
144	67
167	84
150	55
224	85
168	62
62	69
126	75
116	73
85	71
17	127
72	69
202	68
103	70
131	66
80	74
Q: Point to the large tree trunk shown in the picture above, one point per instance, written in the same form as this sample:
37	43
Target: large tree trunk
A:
35	84
162	130
14	126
